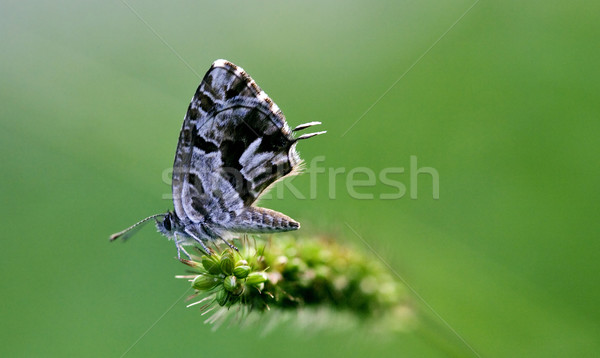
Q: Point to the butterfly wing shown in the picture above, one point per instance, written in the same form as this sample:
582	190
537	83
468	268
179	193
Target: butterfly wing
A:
234	143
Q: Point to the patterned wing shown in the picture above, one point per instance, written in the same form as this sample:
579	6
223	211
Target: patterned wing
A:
234	143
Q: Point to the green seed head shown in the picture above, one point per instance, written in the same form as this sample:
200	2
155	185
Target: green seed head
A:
242	271
211	264
288	273
256	278
204	282
221	298
227	263
241	263
231	284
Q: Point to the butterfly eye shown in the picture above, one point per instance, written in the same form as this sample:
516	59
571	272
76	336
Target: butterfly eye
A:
167	223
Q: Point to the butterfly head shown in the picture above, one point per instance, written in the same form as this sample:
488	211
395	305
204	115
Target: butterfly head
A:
168	224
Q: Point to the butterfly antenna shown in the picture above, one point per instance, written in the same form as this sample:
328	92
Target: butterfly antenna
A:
128	232
310	135
305	125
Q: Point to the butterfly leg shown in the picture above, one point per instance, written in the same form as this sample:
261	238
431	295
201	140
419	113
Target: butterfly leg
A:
232	246
200	241
179	245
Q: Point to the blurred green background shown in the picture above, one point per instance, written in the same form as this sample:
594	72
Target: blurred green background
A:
505	107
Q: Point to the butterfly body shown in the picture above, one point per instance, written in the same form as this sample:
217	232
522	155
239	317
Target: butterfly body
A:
233	145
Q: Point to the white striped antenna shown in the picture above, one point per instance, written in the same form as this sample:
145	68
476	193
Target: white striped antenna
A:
133	228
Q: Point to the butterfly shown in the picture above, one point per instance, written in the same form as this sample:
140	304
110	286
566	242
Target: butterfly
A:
233	145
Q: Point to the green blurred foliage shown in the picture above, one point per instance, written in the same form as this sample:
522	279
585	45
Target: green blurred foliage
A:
505	107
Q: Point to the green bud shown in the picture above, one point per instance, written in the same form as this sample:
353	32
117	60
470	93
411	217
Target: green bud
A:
241	271
256	278
226	264
211	264
232	285
204	282
241	263
222	296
